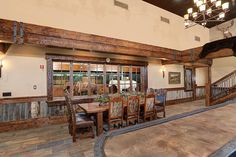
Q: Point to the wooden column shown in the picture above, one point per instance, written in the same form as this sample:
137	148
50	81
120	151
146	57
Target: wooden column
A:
50	78
194	83
71	79
208	87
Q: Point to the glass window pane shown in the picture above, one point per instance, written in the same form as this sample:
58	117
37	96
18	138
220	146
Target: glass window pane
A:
96	79
111	79
80	79
61	77
125	79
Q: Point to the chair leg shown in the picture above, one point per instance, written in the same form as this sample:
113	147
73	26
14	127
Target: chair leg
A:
92	131
74	135
109	126
164	114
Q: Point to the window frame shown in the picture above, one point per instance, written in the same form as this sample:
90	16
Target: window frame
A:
92	60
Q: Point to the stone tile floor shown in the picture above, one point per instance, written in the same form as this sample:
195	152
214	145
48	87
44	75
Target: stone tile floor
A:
55	141
198	135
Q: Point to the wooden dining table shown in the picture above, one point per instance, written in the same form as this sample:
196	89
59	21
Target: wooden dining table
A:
98	110
95	108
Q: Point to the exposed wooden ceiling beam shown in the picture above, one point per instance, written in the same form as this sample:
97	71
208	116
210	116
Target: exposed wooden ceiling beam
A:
196	63
47	36
193	54
20	33
4	47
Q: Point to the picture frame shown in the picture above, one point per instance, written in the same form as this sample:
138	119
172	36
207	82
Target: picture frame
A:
174	77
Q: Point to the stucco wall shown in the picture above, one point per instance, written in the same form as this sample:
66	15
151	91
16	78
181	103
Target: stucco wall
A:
222	67
156	80
155	77
20	74
201	76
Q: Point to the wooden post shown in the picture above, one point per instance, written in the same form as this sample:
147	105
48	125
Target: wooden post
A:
194	83
208	87
50	79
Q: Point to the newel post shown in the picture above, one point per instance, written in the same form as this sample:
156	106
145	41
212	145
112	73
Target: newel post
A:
208	87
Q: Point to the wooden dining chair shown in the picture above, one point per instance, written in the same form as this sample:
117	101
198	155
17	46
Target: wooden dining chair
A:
115	114
160	101
132	110
149	108
77	123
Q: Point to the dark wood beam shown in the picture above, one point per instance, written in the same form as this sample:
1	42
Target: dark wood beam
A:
16	32
4	47
8	31
166	62
20	33
193	54
197	63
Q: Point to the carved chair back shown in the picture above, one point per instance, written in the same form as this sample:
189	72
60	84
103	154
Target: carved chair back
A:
133	105
70	110
116	108
160	95
149	103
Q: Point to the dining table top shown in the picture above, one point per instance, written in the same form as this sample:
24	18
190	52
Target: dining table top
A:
95	107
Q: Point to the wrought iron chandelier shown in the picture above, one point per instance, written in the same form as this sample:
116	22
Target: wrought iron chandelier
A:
207	11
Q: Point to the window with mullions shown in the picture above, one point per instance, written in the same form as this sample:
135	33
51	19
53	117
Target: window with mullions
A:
81	79
137	80
88	79
125	79
96	79
112	86
61	77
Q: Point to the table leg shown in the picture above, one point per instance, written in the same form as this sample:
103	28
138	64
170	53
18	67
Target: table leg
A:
99	123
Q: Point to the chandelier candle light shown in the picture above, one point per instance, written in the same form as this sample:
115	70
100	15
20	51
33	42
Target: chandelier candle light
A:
207	11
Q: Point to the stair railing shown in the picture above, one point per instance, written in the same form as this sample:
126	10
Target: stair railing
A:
223	86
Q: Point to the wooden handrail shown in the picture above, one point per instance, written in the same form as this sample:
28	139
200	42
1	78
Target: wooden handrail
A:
223	78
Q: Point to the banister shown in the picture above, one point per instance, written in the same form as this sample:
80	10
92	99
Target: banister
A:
223	78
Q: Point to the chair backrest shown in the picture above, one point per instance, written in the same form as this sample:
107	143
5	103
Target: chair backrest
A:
149	103
70	109
160	95
141	98
133	105
116	108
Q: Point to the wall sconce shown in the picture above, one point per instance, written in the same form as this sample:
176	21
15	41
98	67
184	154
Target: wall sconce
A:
1	61
163	69
1	68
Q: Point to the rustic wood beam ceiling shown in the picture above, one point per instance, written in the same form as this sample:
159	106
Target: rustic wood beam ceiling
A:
12	32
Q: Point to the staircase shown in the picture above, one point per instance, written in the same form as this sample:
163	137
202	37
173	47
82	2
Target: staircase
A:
224	89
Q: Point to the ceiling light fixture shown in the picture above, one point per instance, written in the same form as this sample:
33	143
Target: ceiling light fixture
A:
207	11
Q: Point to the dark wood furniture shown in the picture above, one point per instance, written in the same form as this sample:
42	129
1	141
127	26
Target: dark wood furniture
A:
160	101
149	108
95	108
132	110
77	123
115	114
